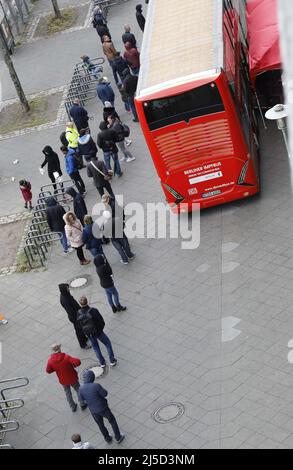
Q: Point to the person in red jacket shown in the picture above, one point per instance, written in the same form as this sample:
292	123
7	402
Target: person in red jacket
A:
131	54
64	366
25	188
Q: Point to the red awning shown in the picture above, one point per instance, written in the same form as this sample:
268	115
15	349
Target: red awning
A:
263	36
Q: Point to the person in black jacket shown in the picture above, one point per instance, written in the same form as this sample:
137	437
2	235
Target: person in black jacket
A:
119	65
79	115
109	110
79	206
105	273
107	139
92	324
113	228
86	146
71	307
55	213
128	36
102	31
139	16
129	87
97	170
53	162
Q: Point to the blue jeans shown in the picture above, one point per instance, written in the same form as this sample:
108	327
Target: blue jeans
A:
95	345
99	419
107	159
112	294
97	251
123	247
63	241
132	107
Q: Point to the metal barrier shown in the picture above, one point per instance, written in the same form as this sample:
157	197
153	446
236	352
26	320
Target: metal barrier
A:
84	81
7	405
105	5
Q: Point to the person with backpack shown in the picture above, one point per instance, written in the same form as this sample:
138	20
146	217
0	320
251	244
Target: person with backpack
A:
101	176
92	324
122	131
71	307
105	273
53	162
79	206
107	139
72	170
64	366
95	396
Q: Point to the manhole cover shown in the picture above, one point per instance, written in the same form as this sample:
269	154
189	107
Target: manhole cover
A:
79	282
97	370
167	413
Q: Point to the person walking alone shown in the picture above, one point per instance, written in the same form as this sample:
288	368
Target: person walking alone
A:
95	396
53	162
64	366
105	273
26	191
92	324
73	230
71	307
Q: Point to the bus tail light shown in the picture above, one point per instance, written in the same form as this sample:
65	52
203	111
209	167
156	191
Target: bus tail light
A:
174	193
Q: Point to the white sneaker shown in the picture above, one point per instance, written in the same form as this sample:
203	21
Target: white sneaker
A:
128	142
70	250
130	159
123	262
122	159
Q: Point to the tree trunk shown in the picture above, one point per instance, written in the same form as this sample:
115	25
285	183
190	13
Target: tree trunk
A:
14	77
56	9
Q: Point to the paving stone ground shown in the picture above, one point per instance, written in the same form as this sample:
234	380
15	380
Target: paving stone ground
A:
169	343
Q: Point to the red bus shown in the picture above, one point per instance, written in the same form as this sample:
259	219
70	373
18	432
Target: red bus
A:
194	101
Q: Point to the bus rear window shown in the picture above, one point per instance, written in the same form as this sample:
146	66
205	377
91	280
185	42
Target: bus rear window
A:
200	101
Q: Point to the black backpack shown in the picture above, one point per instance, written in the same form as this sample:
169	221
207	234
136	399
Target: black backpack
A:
87	324
63	139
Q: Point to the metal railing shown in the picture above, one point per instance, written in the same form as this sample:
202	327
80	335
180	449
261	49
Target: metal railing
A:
7	405
84	81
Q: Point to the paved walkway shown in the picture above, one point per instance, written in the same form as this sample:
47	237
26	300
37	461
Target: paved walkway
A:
208	329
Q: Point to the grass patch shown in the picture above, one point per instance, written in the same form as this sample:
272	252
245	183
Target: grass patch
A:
43	109
49	24
22	264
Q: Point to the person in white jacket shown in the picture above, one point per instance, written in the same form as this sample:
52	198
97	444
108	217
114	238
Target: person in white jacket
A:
73	231
78	444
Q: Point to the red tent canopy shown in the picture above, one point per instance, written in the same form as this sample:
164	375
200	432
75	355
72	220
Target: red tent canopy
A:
263	36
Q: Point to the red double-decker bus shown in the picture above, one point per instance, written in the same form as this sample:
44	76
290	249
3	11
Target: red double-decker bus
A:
195	103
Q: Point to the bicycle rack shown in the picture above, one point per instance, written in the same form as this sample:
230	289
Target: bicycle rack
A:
7	405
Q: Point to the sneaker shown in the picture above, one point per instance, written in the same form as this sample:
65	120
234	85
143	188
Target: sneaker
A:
70	250
128	142
83	407
74	408
123	262
103	366
120	308
114	309
130	159
84	194
132	257
121	174
109	440
122	159
87	346
113	364
122	437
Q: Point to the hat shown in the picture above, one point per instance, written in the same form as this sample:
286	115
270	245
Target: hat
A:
56	347
107	104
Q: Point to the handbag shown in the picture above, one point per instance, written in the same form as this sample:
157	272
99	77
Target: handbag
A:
107	177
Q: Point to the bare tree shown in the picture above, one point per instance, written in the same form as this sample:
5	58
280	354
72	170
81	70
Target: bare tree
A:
56	9
14	77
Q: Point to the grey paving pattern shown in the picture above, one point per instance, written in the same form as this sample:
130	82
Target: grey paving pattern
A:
237	393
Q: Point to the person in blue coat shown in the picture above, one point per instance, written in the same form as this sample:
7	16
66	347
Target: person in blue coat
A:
95	397
92	243
79	206
79	115
105	91
71	168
